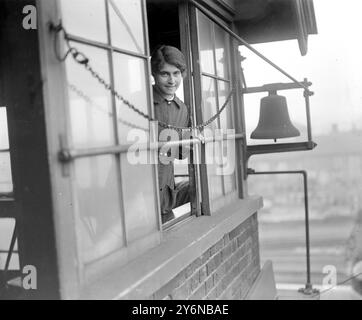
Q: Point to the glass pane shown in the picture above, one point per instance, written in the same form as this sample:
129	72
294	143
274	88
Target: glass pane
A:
213	160
4	136
212	150
127	24
209	108
130	82
6	231
6	184
229	183
85	19
139	196
228	165
90	102
100	226
222	52
226	117
226	122
206	44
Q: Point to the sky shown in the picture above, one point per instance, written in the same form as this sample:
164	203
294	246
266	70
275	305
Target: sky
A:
333	64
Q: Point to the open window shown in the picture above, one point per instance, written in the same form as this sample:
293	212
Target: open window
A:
209	51
214	72
164	29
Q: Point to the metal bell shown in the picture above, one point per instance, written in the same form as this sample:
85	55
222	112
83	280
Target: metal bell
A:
274	122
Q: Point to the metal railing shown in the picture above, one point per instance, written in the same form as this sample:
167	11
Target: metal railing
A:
308	289
67	155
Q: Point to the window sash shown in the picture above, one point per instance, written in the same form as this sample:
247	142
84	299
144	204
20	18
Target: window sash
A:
214	204
110	51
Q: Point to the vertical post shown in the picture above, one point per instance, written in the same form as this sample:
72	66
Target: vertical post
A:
306	220
308	289
308	286
31	159
307	93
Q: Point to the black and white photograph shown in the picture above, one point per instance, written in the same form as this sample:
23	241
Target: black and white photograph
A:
187	153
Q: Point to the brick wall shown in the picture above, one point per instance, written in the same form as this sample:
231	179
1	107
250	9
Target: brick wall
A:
225	271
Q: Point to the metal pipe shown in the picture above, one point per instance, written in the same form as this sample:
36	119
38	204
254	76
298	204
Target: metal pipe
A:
308	286
246	44
307	107
306	205
275	87
66	155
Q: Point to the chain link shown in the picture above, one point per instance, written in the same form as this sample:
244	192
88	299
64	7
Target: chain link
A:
88	100
82	59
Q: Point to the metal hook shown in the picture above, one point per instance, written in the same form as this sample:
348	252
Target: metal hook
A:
59	28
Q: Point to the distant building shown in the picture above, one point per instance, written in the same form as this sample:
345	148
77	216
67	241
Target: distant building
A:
334	174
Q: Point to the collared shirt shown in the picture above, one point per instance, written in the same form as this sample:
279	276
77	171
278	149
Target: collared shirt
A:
174	113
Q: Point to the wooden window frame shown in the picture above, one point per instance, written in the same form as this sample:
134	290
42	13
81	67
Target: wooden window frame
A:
74	276
237	116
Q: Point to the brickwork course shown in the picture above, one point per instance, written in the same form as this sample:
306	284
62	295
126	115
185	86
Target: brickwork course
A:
225	271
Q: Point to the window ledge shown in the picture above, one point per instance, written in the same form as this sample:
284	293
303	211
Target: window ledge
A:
180	246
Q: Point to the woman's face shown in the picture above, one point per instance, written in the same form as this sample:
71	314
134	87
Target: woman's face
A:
168	79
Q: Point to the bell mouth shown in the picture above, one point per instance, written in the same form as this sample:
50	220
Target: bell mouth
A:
278	133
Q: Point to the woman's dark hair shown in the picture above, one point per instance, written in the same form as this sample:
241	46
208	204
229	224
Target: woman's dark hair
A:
167	54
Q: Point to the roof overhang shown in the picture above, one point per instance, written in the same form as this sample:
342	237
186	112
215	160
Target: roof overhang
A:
259	21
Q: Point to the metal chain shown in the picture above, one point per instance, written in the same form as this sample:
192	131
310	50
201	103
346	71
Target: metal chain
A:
88	100
82	59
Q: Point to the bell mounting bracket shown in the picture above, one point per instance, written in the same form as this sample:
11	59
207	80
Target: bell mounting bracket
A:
282	147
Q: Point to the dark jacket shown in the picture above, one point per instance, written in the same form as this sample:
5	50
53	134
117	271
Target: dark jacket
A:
173	113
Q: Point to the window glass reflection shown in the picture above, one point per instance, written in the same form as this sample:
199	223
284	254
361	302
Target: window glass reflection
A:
127	29
226	117
221	52
206	44
226	122
214	178
138	194
130	82
111	193
90	103
221	178
85	19
6	231
6	183
4	136
209	101
212	149
228	163
99	222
